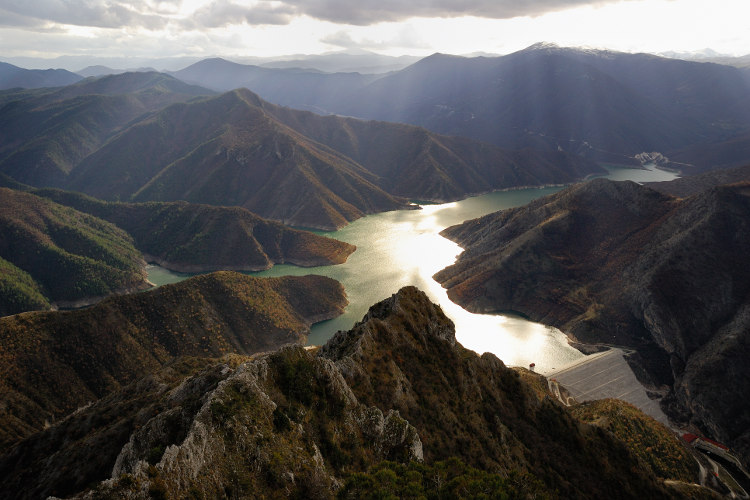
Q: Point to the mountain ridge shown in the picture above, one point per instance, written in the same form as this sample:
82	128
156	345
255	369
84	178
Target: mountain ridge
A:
622	264
194	238
326	417
607	106
60	256
13	76
241	143
94	351
235	149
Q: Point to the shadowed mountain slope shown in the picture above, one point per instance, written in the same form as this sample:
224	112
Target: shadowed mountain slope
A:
729	153
413	162
694	184
226	151
198	238
620	263
604	105
91	352
54	253
303	424
45	135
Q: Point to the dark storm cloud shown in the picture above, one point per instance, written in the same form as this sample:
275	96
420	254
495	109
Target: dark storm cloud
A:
366	12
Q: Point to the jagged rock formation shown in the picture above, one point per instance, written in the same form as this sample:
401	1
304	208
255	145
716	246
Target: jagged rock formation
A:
274	426
299	423
54	362
50	253
620	263
195	238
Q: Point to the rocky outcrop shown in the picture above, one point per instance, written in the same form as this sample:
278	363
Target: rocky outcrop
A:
267	419
282	423
301	423
620	263
404	355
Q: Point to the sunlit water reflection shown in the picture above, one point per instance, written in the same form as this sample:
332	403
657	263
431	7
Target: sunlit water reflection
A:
395	249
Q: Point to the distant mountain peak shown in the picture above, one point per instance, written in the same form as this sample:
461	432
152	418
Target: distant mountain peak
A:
436	58
548	46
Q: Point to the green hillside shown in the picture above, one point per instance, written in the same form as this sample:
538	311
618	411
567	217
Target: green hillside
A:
91	352
198	238
19	291
69	255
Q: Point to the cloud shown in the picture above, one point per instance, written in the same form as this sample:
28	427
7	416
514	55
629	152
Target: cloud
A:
367	12
158	14
405	38
224	13
95	13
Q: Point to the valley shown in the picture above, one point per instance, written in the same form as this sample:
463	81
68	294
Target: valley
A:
383	277
404	248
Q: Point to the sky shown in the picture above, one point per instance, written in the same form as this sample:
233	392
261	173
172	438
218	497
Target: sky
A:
264	28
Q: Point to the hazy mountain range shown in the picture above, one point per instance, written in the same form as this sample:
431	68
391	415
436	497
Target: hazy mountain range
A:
359	61
604	105
12	76
145	137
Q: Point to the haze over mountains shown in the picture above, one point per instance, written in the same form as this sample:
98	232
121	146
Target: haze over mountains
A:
144	136
12	76
604	105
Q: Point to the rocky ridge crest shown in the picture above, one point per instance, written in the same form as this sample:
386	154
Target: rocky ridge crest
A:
304	423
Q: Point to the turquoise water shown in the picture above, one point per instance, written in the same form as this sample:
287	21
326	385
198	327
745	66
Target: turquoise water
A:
400	248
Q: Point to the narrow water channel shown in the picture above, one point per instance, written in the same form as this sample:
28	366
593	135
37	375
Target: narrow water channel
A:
400	248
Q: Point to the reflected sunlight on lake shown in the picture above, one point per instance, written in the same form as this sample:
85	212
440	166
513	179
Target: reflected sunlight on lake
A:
396	249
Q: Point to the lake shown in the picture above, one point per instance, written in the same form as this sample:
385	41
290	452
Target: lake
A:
400	248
